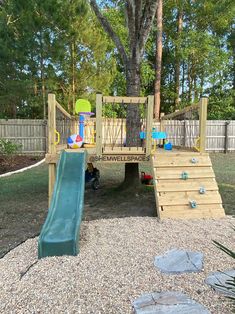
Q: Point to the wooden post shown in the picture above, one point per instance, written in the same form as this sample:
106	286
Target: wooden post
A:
99	98
162	126
226	140
202	123
150	103
51	141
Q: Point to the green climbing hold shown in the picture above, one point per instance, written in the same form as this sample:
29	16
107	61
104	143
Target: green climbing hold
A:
184	175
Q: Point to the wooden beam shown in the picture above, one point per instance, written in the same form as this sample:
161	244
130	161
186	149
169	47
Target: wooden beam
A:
99	124
180	112
51	158
155	190
202	123
124	100
63	110
51	140
149	124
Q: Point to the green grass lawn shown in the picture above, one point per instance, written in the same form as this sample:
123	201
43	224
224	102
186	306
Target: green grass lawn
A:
24	204
224	168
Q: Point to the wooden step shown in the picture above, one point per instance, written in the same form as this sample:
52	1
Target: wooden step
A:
188	185
182	208
193	214
183	198
168	161
167	153
176	172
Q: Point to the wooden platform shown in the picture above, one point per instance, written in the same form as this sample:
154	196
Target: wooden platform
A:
174	194
109	154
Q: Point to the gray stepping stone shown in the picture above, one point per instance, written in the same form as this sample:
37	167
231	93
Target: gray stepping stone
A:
220	278
167	303
179	261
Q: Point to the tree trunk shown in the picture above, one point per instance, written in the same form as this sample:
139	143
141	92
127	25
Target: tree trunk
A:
73	76
195	88
177	58
42	77
132	121
189	83
158	64
183	78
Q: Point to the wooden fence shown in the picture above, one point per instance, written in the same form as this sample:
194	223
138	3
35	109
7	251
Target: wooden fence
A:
32	134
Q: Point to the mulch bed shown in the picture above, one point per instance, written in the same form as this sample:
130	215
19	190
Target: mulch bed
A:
16	162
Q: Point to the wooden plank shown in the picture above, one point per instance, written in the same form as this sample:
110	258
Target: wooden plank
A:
51	140
63	110
202	123
124	100
202	207
183	198
193	214
182	160
181	185
149	124
123	150
175	173
61	147
162	153
99	124
124	158
51	158
180	112
155	190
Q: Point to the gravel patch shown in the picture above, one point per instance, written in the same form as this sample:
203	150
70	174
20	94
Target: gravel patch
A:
115	266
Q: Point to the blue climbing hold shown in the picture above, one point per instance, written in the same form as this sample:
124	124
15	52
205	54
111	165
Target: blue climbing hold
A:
202	190
193	204
194	160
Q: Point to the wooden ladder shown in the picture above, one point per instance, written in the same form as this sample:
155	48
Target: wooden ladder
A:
179	177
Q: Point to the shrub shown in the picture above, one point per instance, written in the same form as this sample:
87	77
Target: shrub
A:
8	148
230	283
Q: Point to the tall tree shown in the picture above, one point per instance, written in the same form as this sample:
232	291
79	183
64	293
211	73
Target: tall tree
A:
139	20
158	62
177	54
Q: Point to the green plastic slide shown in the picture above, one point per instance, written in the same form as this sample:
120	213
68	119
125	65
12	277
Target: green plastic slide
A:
60	232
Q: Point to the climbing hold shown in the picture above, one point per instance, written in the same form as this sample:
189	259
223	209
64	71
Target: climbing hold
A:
193	204
202	190
194	160
184	175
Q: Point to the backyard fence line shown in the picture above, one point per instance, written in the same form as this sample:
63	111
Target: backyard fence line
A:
31	135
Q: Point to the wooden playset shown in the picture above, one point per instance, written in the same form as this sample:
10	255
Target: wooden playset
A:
184	180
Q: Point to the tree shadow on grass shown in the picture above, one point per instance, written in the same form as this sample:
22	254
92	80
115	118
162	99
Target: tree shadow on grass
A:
116	202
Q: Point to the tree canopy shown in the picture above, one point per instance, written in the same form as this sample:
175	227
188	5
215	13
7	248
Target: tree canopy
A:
60	46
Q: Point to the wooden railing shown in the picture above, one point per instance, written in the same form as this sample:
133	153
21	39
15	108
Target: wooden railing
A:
102	100
53	106
201	107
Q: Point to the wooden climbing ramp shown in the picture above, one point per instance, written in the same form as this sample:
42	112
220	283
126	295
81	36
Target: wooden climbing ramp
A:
185	186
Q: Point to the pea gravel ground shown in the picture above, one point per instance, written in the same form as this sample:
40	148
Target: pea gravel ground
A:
114	267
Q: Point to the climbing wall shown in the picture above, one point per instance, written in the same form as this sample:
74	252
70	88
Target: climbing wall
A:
185	186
